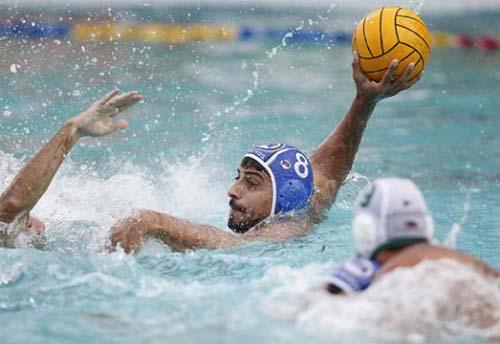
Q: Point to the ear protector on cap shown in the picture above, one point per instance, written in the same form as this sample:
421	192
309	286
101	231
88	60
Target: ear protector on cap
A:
390	211
364	230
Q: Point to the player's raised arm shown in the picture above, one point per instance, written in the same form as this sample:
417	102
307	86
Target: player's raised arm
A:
33	180
333	158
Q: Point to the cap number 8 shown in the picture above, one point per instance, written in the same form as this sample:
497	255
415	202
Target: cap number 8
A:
301	167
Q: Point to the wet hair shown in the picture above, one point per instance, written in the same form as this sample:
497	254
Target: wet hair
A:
251	163
333	289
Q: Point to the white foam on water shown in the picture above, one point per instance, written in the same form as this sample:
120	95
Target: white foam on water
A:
9	166
80	206
91	278
10	273
436	300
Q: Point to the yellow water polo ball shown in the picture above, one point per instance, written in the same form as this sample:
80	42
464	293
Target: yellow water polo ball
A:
390	33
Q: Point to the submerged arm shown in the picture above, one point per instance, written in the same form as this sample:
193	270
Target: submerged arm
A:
333	158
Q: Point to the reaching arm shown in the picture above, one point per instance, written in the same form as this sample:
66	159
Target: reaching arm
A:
131	232
33	180
30	184
333	158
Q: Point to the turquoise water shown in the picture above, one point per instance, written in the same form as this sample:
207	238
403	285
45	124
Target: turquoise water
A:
205	105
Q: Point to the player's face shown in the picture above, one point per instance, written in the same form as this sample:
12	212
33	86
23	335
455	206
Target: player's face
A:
251	198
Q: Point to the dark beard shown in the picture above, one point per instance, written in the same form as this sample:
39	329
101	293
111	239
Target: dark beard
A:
241	227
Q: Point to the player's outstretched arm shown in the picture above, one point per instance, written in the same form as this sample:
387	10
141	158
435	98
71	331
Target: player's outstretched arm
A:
333	158
131	232
33	180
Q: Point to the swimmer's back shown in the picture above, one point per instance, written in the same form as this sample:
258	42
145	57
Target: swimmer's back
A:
417	253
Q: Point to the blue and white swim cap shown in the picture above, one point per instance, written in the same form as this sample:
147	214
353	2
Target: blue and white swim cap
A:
291	175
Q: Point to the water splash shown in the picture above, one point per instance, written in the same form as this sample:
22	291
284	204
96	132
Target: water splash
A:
435	300
351	187
451	238
416	5
213	126
79	208
214	130
288	35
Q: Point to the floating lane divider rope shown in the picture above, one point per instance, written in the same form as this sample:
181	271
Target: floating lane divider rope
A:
170	34
185	33
34	30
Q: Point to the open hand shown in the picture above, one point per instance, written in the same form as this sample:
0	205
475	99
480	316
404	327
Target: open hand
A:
387	86
98	119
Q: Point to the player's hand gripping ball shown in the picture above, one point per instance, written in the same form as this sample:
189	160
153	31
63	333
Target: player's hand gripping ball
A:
391	33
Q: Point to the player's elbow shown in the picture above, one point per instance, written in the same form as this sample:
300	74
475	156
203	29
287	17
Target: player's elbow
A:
10	207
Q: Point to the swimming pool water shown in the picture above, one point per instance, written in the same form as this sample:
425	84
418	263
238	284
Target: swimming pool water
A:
205	105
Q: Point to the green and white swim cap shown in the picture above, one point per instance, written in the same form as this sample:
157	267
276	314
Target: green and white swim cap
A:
389	213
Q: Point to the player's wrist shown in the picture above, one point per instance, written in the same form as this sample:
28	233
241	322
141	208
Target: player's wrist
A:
75	128
361	109
366	100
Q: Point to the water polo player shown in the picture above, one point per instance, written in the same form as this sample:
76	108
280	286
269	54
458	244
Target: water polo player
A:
273	181
33	180
392	229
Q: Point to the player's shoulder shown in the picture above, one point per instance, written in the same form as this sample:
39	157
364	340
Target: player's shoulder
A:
280	229
432	251
415	254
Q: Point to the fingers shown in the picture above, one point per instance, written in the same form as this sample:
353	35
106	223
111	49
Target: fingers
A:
407	73
357	73
412	81
120	124
97	121
114	239
406	80
389	74
120	101
108	96
117	235
123	101
120	238
417	78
